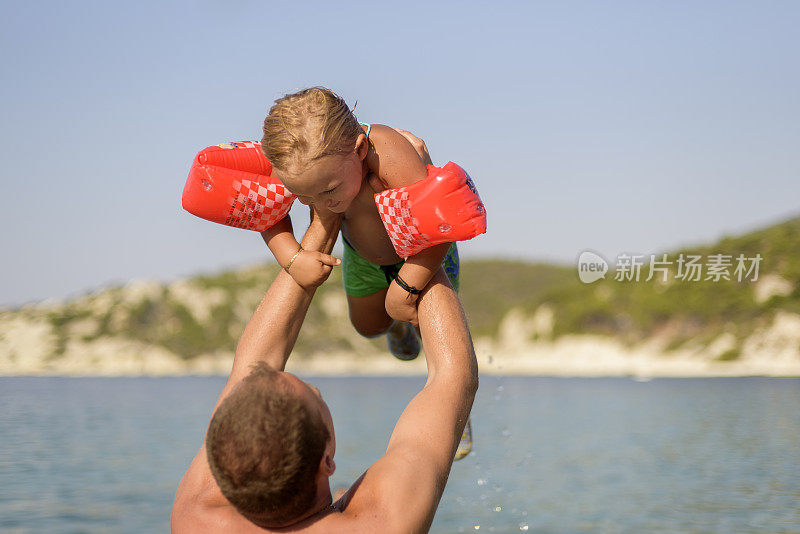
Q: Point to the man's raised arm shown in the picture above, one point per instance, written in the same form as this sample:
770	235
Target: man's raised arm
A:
271	333
268	337
403	488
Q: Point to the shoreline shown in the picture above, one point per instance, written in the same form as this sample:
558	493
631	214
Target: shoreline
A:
529	364
773	353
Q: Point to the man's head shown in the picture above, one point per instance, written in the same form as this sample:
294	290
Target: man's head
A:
269	445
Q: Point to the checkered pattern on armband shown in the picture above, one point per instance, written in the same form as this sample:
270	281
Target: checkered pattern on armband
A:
399	223
256	207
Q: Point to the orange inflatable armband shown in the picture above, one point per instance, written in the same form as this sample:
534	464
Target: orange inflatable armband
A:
443	207
231	184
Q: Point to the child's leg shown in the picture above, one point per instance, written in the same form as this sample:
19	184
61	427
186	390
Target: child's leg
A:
369	317
365	285
368	314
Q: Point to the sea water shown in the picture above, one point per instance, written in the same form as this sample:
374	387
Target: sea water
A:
550	454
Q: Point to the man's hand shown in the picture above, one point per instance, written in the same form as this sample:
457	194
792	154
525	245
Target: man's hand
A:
419	146
311	268
401	305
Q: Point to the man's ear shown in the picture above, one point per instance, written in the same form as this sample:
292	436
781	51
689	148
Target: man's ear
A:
326	465
362	146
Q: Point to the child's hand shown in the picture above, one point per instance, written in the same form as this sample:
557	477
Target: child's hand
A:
310	268
401	305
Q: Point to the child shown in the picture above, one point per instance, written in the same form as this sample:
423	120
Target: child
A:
324	156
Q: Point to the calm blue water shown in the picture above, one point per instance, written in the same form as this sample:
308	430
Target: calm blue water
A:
552	455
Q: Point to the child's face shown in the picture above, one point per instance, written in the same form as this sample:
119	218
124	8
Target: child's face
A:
331	182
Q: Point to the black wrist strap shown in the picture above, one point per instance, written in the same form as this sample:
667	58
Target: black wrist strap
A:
411	289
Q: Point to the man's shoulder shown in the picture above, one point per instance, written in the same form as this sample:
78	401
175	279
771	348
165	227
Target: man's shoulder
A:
394	494
201	507
199	504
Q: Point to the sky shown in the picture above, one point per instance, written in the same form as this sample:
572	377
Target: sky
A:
636	126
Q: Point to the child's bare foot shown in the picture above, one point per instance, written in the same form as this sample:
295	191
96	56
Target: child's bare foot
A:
403	341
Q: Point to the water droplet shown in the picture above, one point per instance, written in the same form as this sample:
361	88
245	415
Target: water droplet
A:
477	527
497	488
498	508
206	185
523	526
500	388
482	481
444	228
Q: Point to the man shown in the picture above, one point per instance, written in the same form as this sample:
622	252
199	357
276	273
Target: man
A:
270	443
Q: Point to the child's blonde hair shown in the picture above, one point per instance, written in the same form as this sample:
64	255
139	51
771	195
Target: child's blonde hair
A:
307	125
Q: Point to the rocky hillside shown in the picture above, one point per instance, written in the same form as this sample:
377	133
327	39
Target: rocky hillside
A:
526	318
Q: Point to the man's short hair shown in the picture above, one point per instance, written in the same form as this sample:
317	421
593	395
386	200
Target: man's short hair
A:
264	446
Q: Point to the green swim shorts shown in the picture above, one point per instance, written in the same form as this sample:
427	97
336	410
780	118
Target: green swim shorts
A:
362	278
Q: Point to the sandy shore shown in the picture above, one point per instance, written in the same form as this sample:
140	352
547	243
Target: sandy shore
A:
581	357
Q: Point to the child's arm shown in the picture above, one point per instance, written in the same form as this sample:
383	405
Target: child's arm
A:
401	305
402	161
307	267
280	240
